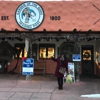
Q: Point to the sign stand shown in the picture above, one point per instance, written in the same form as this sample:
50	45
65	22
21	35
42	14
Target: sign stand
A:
28	77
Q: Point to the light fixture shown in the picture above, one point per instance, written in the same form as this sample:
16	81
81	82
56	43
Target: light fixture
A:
59	30
89	31
57	39
17	30
2	29
39	39
5	31
48	38
44	30
74	30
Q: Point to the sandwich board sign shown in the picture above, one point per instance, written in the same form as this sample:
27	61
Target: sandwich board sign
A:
28	66
71	70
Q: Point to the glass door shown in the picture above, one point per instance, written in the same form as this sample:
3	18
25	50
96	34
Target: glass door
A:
87	60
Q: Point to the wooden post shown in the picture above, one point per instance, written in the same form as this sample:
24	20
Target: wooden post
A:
27	44
30	49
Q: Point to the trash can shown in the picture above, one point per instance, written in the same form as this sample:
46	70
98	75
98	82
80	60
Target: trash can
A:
3	67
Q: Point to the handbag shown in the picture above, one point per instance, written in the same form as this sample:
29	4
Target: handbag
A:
62	70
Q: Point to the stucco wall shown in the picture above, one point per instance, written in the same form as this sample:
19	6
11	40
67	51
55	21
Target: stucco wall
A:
74	14
51	65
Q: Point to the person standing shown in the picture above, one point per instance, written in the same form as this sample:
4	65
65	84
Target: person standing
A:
61	61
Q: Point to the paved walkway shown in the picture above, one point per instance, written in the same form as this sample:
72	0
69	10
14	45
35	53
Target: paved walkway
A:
15	87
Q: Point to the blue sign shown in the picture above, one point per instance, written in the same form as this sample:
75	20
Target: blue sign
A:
28	66
76	57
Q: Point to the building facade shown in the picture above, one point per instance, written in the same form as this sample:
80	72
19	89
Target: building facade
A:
64	21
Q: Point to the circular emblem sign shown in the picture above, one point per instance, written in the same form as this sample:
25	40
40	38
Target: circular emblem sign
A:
29	15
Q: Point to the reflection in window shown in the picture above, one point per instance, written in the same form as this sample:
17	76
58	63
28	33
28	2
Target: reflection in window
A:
46	51
21	53
42	52
86	54
97	58
50	52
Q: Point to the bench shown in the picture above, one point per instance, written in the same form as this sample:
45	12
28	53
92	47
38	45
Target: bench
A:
39	66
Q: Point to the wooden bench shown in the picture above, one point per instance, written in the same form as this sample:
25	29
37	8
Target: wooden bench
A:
39	66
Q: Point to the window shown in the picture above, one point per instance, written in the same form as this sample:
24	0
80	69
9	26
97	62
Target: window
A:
20	48
50	52
42	52
46	51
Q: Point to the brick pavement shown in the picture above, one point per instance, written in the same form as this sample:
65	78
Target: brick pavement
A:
15	87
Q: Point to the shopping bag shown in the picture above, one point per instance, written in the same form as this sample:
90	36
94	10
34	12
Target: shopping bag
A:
69	79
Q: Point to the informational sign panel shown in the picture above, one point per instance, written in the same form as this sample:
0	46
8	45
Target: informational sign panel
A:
76	57
71	70
28	66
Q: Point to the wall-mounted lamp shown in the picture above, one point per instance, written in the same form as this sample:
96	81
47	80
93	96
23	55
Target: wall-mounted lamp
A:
39	39
44	30
48	38
74	30
17	30
89	31
59	31
57	39
2	29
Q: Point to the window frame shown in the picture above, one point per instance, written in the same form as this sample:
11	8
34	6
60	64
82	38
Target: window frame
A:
46	46
22	46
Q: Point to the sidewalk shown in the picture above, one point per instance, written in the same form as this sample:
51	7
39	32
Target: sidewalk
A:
15	87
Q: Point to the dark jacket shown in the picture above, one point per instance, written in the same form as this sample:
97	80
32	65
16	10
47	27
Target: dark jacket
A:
59	64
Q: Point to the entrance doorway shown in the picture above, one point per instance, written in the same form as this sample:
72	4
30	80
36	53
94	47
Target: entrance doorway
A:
67	48
87	59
